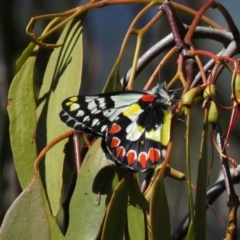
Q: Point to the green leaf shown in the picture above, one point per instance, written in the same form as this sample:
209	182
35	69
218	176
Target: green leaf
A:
23	121
191	232
61	80
113	81
137	225
116	214
88	203
201	198
159	212
136	198
29	216
26	55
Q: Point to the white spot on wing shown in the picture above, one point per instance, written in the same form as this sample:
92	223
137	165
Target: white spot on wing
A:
163	153
80	113
96	112
64	114
89	99
76	124
91	105
69	119
86	119
95	122
103	128
101	103
133	133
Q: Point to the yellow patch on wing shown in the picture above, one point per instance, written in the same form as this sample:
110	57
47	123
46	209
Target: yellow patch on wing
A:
154	134
134	109
165	132
140	128
74	106
68	104
162	133
73	99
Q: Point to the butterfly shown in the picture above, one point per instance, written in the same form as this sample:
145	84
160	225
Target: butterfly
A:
134	125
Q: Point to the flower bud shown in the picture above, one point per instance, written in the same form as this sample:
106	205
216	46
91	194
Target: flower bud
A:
213	114
189	97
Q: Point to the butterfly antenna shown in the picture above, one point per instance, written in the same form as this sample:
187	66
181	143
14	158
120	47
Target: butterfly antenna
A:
168	69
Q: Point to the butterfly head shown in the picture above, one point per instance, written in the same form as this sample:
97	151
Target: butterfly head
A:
162	95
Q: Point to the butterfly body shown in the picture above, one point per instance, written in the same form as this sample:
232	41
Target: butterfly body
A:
134	125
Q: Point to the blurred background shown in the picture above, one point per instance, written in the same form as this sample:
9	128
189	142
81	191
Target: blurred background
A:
104	30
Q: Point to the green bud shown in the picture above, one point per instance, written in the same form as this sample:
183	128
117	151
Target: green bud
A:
210	91
236	87
189	97
213	114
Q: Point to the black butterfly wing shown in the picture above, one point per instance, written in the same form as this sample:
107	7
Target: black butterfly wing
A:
135	126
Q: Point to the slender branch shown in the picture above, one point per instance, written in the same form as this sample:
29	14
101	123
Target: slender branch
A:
168	42
49	146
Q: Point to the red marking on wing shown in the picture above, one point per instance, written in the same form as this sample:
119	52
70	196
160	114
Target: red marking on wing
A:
148	98
131	156
120	152
115	142
154	155
142	158
115	128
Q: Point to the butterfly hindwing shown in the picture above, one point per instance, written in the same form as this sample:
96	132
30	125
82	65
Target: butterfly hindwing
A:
136	138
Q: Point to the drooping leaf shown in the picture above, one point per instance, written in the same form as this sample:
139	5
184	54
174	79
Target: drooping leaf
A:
25	55
159	212
116	215
23	121
61	80
201	197
113	81
29	216
136	198
137	224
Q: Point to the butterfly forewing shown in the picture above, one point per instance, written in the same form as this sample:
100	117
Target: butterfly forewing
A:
93	114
